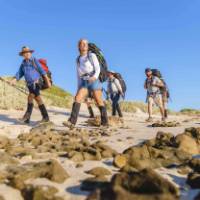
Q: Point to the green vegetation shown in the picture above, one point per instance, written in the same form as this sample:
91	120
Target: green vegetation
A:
189	111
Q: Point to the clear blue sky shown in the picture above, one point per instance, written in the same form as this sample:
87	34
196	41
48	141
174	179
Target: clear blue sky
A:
133	34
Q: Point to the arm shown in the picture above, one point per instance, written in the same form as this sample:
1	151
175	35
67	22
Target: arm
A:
17	76
119	87
145	84
97	67
78	80
42	73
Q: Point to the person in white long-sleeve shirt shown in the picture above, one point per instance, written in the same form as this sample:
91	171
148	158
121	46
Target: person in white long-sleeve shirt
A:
114	90
88	71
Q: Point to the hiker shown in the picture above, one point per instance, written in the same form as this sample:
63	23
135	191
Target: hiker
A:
153	86
114	91
32	71
88	73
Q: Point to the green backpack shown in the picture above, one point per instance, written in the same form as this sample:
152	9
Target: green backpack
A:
103	64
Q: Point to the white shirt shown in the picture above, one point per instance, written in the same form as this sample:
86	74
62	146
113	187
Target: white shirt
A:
114	86
150	85
87	65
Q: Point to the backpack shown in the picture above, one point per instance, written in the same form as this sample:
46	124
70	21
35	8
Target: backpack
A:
122	82
102	62
42	83
164	90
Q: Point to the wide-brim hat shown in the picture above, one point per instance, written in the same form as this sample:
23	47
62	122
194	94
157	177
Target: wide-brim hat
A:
25	50
111	72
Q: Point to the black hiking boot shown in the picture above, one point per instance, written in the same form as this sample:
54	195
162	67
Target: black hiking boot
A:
27	116
104	116
91	112
166	113
44	113
74	116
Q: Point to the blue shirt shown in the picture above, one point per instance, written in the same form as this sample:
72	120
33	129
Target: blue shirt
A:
30	72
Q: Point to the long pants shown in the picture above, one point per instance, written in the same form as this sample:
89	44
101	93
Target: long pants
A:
115	104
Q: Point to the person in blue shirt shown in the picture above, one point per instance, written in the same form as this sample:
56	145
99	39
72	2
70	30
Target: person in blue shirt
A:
31	70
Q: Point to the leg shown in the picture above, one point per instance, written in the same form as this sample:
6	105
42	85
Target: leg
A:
90	110
27	115
80	96
42	108
159	102
150	106
99	100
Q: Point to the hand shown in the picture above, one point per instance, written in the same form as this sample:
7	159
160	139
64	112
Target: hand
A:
92	79
13	82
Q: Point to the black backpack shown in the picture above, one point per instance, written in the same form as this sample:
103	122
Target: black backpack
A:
103	64
122	82
165	89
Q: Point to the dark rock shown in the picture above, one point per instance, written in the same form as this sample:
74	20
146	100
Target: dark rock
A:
194	180
91	184
143	185
31	192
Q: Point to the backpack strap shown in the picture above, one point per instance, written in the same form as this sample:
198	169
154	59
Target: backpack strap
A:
35	66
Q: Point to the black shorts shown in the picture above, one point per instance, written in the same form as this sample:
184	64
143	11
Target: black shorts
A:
34	89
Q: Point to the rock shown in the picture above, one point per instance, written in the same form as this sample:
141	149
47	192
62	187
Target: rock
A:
91	184
77	157
194	180
166	124
164	139
42	128
120	161
4	141
99	171
187	144
142	185
194	163
5	158
79	165
40	193
51	170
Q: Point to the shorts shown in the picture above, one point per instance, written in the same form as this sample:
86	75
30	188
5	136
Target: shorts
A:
155	99
96	85
34	89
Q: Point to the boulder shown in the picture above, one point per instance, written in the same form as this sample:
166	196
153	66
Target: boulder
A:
51	170
187	144
194	180
31	192
99	171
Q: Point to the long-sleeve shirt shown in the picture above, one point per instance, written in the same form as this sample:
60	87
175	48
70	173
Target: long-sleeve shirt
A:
114	86
88	66
31	72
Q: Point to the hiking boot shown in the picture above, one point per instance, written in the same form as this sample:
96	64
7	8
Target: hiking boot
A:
68	124
150	119
74	116
104	117
91	112
44	120
44	113
163	119
26	118
166	113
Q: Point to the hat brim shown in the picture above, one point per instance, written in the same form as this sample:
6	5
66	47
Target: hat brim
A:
111	72
23	52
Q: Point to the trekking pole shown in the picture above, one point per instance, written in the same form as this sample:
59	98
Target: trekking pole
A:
18	88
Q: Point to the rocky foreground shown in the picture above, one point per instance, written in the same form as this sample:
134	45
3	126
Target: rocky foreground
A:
50	162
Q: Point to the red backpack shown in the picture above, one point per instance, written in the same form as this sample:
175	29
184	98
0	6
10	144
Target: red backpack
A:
43	63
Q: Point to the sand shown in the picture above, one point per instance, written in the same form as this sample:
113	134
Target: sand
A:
136	131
